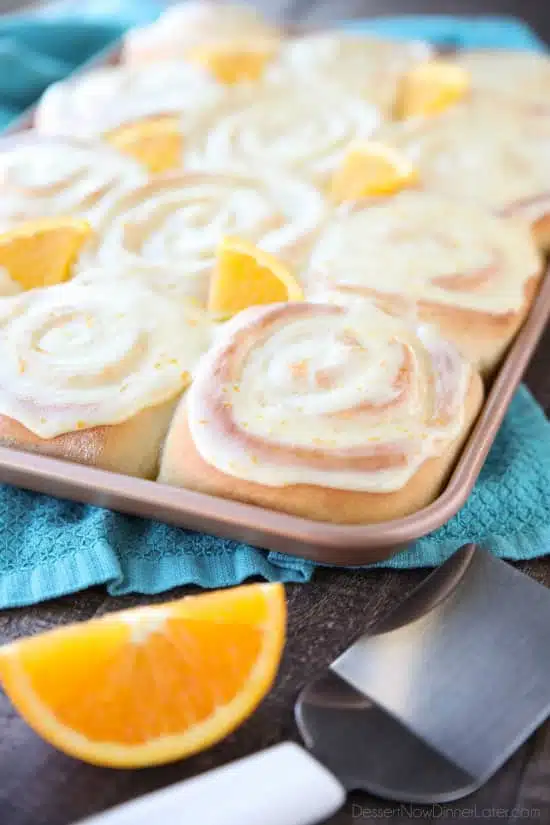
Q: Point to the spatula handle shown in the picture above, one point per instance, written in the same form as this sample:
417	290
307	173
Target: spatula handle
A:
282	785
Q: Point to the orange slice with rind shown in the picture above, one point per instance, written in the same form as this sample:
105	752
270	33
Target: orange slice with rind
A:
371	169
431	87
42	252
233	62
246	276
156	143
153	684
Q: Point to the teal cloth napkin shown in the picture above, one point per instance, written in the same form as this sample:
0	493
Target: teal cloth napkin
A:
50	547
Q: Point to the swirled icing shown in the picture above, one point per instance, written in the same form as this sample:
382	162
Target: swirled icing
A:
46	177
169	229
76	356
301	127
321	394
101	100
369	66
426	247
498	156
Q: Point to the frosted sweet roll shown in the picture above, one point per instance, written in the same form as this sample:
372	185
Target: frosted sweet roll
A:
169	229
301	128
324	412
49	177
368	66
442	260
100	101
92	375
497	156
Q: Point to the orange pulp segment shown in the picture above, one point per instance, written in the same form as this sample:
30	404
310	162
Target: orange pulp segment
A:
432	87
246	276
156	142
42	252
153	684
233	62
371	169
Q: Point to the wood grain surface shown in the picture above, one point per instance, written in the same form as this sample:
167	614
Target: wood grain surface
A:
39	786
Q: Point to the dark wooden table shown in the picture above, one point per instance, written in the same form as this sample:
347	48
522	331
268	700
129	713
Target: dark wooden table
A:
39	786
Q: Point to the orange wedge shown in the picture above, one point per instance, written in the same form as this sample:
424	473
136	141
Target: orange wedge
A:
157	142
153	684
431	87
371	169
246	276
233	62
42	252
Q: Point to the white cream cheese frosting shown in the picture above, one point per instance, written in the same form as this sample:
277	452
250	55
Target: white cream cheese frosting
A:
495	155
425	247
48	177
326	395
168	231
102	100
370	66
301	128
77	356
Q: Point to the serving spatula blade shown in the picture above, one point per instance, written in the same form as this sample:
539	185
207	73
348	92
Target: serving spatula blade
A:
434	698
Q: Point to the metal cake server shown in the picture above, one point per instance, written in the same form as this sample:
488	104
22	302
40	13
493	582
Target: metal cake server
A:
424	707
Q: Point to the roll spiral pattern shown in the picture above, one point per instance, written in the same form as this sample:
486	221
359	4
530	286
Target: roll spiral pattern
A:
290	127
76	356
426	248
104	99
369	66
324	395
495	155
169	229
46	177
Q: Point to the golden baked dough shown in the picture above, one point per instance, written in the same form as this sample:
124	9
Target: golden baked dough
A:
495	155
440	259
93	375
131	447
324	412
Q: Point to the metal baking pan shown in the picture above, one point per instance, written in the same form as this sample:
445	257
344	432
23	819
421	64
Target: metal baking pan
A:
319	541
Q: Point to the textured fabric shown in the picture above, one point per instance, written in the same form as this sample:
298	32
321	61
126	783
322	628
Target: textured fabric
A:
50	547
